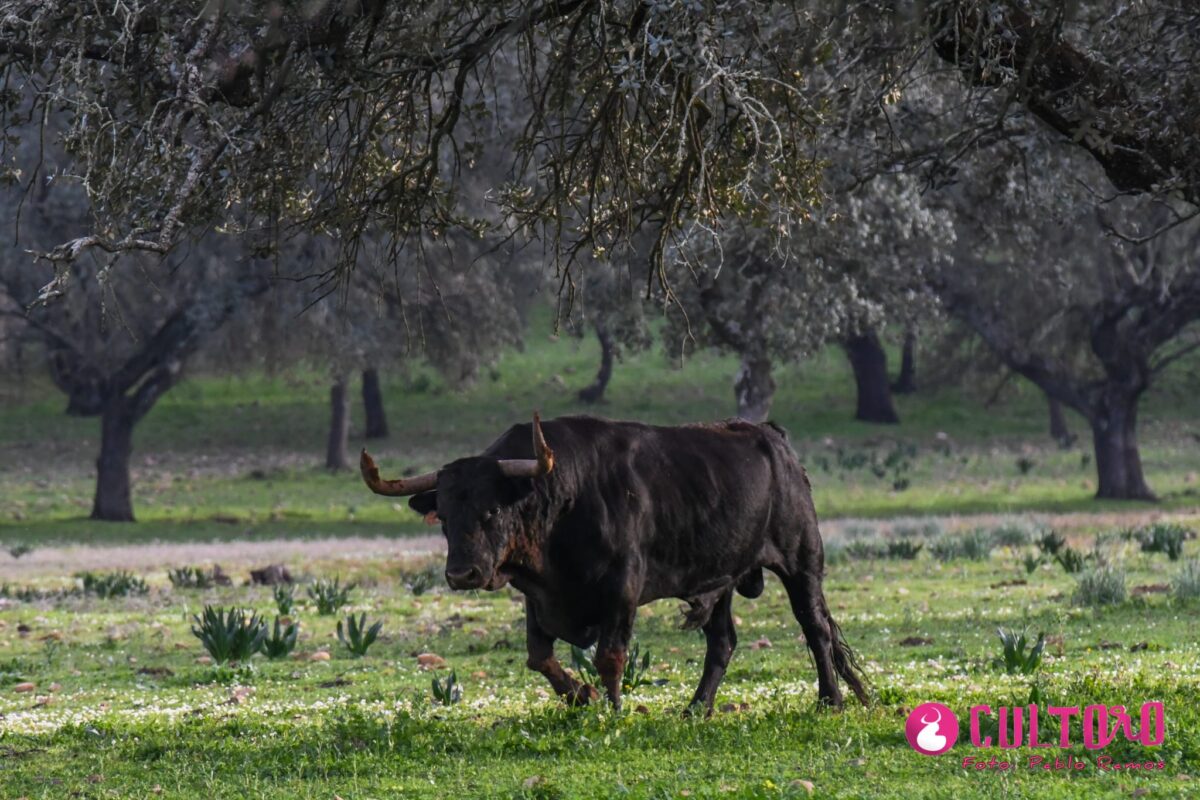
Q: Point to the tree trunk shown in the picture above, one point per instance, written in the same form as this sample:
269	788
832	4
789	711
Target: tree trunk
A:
113	502
869	362
1059	431
595	392
906	381
339	426
1118	463
754	388
376	426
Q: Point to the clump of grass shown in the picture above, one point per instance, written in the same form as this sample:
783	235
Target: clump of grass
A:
190	578
229	635
904	549
422	580
282	640
1031	562
1070	560
866	550
285	599
112	584
356	636
1015	658
1011	535
637	666
1186	583
1100	586
835	553
1051	542
20	549
330	595
975	545
448	690
1164	537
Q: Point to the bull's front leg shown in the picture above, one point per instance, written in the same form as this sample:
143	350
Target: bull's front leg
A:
613	649
540	647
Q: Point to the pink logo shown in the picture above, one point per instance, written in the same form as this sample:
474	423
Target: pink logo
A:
931	729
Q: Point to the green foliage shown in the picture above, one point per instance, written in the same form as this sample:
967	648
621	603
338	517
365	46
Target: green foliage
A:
285	598
974	545
1100	586
356	636
190	578
1051	542
1164	537
112	584
1070	560
1186	583
1015	659
422	580
330	595
637	666
282	640
1011	536
448	690
904	549
20	549
229	635
866	550
1031	562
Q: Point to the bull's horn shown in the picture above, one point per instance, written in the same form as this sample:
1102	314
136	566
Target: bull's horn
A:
397	488
541	464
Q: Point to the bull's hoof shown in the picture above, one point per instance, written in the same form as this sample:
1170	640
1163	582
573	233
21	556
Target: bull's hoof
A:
830	703
581	696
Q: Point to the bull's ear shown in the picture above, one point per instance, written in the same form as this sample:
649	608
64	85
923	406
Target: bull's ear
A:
424	502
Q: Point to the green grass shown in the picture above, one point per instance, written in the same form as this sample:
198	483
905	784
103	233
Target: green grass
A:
227	457
134	715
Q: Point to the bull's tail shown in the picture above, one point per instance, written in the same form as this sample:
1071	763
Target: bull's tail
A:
845	663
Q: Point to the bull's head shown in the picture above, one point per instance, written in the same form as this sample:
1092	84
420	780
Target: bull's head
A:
475	499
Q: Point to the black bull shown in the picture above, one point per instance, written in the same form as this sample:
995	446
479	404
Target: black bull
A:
591	518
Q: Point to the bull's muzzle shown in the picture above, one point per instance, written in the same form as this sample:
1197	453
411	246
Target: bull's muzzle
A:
465	578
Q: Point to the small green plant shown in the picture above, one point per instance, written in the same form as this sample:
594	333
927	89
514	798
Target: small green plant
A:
865	550
356	636
1011	535
1015	658
190	578
1070	560
1031	562
229	635
904	549
285	599
1051	542
20	549
1100	586
1186	583
1164	537
422	580
637	665
974	545
282	640
447	691
330	596
112	584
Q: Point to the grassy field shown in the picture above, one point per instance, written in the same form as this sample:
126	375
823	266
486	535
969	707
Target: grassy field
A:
106	698
121	708
231	457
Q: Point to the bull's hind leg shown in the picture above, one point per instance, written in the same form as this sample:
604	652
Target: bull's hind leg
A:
808	604
722	639
540	647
